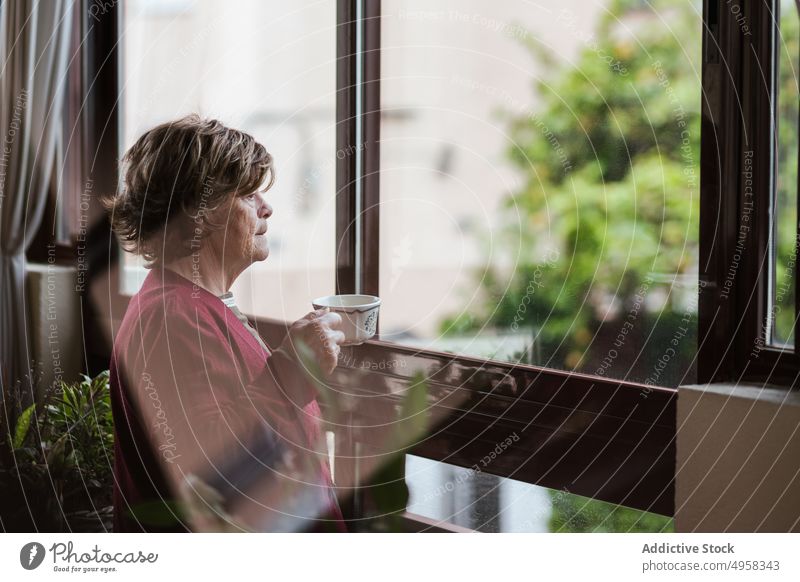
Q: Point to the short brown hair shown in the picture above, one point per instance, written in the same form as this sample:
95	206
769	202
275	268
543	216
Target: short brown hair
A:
188	167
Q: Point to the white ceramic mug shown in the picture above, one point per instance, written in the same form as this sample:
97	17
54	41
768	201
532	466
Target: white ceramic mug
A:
359	315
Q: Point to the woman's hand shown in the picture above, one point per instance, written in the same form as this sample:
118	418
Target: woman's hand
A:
320	331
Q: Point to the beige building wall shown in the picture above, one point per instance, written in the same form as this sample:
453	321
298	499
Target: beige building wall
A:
738	459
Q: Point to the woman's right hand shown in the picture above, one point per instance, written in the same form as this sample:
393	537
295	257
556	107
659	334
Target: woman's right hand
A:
320	330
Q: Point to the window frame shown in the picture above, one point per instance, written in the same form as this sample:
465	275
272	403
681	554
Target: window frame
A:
739	116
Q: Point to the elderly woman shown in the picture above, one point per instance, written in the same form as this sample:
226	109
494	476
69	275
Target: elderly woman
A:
213	426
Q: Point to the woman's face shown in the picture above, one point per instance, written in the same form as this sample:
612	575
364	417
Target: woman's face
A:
243	240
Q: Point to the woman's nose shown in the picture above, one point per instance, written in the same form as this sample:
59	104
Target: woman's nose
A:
265	211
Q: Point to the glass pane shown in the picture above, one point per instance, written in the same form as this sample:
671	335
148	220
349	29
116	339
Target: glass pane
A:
783	309
268	68
492	504
540	182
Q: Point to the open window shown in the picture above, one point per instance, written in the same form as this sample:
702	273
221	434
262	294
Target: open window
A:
526	203
750	194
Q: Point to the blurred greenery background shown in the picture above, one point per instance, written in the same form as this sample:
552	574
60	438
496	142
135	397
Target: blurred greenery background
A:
611	166
611	160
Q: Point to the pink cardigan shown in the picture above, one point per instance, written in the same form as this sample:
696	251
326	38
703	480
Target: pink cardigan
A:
193	392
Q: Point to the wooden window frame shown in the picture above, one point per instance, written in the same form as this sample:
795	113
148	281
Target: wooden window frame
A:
739	114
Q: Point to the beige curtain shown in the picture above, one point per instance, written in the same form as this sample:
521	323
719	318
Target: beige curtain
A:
34	45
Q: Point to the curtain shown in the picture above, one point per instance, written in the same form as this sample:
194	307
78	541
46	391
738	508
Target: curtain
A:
34	45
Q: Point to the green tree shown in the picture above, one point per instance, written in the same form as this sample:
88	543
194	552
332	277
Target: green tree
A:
610	158
787	159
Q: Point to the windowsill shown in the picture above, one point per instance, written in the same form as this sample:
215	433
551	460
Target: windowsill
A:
769	394
737	459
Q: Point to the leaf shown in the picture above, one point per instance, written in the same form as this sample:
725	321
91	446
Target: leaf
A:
25	455
158	513
413	415
56	457
99	385
23	426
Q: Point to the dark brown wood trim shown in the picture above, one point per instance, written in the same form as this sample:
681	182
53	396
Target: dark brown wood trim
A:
370	211
102	301
737	198
346	144
76	135
758	91
761	362
719	176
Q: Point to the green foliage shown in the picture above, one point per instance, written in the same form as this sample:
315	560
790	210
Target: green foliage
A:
57	464
610	161
572	513
786	196
23	427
